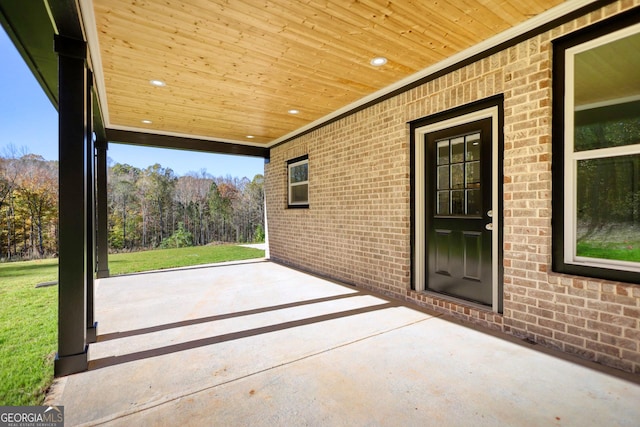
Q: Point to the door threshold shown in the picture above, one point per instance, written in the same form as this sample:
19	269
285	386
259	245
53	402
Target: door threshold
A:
460	301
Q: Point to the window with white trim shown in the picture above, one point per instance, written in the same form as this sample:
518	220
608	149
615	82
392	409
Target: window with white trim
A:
597	152
298	182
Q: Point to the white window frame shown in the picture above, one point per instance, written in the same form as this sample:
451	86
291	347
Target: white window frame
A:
295	184
572	157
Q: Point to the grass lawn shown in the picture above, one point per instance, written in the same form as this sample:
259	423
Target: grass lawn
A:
28	330
29	316
622	251
168	258
613	241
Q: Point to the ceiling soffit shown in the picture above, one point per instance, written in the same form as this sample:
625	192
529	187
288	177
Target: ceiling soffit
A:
234	70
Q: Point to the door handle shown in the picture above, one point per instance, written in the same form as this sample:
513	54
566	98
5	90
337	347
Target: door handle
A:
489	226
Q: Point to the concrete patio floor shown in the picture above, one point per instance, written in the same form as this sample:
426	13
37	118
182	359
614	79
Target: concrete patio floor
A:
258	344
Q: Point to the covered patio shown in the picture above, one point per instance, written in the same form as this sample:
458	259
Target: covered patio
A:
335	88
258	343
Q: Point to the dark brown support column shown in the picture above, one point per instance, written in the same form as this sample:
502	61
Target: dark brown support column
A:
102	241
72	246
91	214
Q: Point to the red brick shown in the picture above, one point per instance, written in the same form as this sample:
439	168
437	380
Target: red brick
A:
524	317
604	327
632	356
633	334
571	320
619	320
547	305
548	296
604	348
582	312
541	331
580	351
631	312
571	301
614	361
603	306
619	299
622	290
582	293
552	324
571	339
619	342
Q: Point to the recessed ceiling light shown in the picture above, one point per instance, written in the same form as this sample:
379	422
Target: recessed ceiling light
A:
250	136
293	111
147	122
378	61
158	83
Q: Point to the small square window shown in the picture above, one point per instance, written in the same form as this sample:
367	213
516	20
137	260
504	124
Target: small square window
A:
298	182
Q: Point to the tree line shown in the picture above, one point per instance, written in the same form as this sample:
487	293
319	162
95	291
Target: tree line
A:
147	208
152	207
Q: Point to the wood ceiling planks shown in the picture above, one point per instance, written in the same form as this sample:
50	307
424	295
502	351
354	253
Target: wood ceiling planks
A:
234	68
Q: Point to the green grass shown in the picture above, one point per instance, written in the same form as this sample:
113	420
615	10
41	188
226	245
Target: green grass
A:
28	330
616	251
615	241
28	316
182	257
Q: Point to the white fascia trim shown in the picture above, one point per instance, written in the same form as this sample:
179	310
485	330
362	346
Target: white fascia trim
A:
531	24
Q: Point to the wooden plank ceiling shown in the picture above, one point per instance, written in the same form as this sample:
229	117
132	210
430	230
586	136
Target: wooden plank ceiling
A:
235	68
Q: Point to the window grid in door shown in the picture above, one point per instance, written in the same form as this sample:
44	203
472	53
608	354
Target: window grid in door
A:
458	191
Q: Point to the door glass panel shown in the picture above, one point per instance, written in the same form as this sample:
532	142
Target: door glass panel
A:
474	202
443	203
457	176
457	202
457	150
443	152
443	177
473	147
473	175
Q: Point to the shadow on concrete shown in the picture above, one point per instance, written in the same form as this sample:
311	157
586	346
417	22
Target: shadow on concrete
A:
142	331
116	360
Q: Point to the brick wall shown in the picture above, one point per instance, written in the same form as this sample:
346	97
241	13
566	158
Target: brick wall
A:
357	227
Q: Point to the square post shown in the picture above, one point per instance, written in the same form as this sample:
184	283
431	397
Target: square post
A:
91	213
102	240
72	354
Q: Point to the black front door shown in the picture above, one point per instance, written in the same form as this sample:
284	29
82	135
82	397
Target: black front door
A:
458	211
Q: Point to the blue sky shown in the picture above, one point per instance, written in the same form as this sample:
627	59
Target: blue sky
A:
28	121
